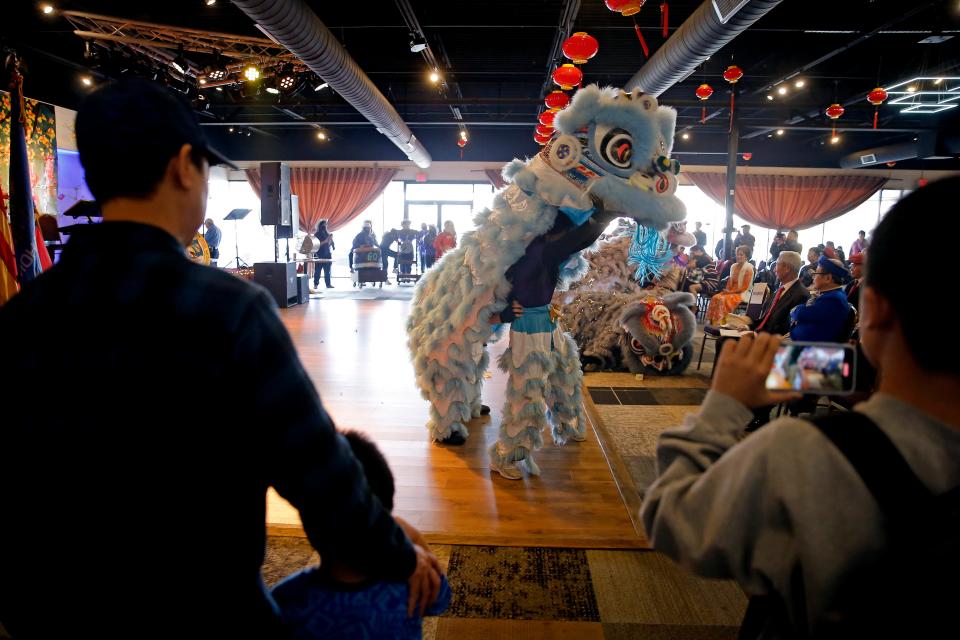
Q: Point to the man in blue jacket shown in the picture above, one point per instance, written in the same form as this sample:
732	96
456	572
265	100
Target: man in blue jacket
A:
825	317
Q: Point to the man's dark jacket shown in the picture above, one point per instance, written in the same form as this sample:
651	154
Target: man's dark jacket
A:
149	403
779	321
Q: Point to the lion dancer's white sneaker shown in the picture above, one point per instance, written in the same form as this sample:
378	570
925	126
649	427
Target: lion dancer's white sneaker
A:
507	465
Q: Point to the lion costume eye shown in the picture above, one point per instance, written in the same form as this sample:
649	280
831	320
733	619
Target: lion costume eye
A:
616	147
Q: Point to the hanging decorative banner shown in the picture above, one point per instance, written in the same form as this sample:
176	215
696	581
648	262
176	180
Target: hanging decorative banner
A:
665	19
833	112
580	47
876	98
643	43
556	100
732	74
703	93
568	77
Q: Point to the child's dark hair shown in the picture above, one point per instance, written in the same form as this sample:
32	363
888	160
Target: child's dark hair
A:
375	466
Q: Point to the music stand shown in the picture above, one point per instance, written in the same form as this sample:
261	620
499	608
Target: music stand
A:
235	215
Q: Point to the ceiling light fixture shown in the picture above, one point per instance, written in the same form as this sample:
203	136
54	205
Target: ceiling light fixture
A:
434	77
210	3
799	84
938	81
685	136
834	139
779	132
320	87
46	8
782	91
417	44
215	71
911	88
273	90
769	97
180	63
321	135
286	79
251	73
87	81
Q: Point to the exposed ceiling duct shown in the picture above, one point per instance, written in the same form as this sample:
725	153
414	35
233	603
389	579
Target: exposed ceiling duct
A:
697	39
926	146
295	26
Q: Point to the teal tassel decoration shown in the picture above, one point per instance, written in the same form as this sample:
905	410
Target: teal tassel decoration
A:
649	251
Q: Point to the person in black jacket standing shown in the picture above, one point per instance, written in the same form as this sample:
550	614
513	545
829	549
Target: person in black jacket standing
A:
130	510
324	247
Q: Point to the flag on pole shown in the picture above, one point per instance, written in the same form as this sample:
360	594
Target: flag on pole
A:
8	260
21	198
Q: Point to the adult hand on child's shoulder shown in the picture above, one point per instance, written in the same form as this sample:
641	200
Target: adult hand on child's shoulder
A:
424	582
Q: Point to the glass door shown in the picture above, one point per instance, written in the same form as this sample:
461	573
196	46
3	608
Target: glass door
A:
460	214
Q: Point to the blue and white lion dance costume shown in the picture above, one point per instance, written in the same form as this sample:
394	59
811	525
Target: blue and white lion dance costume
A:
611	149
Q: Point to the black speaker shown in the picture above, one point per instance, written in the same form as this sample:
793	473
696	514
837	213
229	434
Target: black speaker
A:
280	279
275	194
303	288
291	230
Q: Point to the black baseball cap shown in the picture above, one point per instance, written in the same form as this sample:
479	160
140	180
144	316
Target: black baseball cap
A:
131	120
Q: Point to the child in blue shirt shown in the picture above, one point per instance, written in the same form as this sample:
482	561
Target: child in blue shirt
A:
334	601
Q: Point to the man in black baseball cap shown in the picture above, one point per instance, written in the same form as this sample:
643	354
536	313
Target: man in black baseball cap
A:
183	400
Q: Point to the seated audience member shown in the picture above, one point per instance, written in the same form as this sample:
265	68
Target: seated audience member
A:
124	448
806	272
738	283
852	288
826	315
775	314
680	256
701	273
795	513
335	600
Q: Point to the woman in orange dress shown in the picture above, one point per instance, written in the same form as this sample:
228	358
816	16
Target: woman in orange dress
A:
741	277
446	240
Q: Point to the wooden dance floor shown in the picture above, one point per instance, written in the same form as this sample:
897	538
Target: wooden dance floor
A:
356	353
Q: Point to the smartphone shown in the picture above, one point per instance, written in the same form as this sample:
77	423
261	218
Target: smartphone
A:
821	368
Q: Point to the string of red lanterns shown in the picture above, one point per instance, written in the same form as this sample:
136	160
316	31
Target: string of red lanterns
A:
703	93
732	74
579	49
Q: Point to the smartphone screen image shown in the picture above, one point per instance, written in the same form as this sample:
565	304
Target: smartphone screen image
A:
821	368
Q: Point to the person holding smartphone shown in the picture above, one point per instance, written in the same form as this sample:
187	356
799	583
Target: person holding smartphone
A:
787	513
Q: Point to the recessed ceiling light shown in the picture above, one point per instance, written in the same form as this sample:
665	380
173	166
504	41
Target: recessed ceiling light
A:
769	97
434	77
685	136
210	3
779	132
834	139
782	91
46	8
321	135
912	88
87	81
799	84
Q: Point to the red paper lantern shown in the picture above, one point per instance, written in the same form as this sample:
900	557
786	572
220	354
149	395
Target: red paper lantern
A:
461	143
748	156
580	47
732	74
568	77
877	96
541	139
922	182
834	111
625	7
544	130
557	100
704	91
891	164
547	117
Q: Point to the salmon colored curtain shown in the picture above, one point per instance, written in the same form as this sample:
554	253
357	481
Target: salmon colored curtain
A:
493	175
790	202
337	194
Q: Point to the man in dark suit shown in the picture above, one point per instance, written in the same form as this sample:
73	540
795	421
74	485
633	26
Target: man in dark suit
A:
775	314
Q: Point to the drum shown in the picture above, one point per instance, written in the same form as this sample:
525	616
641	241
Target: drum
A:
367	258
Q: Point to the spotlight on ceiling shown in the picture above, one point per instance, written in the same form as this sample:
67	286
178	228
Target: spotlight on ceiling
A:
938	81
180	63
417	44
87	81
286	78
685	135
202	81
230	130
769	97
779	132
47	9
273	90
321	135
834	139
215	71
434	77
912	88
210	3
251	73
799	84
321	87
782	91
